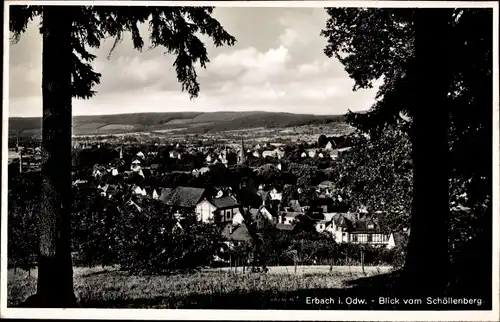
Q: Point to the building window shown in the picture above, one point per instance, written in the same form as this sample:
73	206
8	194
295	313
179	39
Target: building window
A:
378	238
370	226
369	238
354	238
362	238
228	214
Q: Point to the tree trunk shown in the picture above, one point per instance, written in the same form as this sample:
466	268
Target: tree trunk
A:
427	257
55	271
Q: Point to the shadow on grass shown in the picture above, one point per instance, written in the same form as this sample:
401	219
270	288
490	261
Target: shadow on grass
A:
360	294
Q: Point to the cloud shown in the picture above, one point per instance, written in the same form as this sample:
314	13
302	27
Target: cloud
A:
250	66
278	64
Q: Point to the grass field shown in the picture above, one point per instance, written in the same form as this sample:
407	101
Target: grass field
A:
108	287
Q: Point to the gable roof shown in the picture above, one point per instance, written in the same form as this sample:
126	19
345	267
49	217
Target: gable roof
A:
164	194
295	205
185	197
224	202
238	233
285	227
344	220
292	214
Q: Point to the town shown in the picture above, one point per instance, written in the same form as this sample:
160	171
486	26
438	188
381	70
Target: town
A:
285	185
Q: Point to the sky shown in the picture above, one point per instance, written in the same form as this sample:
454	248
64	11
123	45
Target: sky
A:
277	65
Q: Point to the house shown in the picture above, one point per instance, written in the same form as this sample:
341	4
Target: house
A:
367	231
140	155
340	224
350	228
98	171
236	234
154	167
264	195
330	145
261	215
267	153
138	190
103	189
334	154
303	155
203	170
311	153
152	192
164	194
326	185
289	218
275	195
321	225
175	154
294	206
185	198
218	210
136	165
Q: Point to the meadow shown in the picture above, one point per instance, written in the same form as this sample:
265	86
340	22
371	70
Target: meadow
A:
209	288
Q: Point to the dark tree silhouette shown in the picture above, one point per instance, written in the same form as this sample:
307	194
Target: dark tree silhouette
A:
68	31
437	68
322	141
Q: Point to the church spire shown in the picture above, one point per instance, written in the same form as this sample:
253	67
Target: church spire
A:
242	151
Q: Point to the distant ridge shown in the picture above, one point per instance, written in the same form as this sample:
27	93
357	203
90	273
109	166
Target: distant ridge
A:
188	122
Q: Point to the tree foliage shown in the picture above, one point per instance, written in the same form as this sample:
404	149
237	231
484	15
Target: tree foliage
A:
397	46
175	29
379	44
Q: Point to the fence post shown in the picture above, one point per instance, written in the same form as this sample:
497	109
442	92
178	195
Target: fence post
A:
363	261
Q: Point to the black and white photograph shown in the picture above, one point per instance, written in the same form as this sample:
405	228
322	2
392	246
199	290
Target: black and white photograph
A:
296	160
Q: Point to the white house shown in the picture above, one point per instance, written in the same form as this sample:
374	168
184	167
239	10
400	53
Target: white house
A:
175	155
329	146
290	217
275	195
219	210
139	191
140	155
311	153
268	153
136	165
97	173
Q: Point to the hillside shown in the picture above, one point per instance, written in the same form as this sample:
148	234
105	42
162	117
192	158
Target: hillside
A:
188	122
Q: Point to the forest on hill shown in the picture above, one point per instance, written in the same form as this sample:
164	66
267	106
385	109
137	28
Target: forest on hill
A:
191	122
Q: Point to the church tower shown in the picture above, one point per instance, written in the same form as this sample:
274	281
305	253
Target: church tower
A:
242	152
